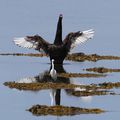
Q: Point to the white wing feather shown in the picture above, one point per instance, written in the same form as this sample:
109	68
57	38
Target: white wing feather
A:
22	42
88	34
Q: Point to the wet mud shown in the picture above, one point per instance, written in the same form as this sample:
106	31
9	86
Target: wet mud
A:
102	70
63	82
80	57
39	110
24	54
40	86
109	85
90	93
50	85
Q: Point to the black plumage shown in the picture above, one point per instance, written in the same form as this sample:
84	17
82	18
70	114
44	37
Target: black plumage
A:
59	49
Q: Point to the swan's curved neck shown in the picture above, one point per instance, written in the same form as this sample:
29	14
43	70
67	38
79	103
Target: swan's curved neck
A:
58	37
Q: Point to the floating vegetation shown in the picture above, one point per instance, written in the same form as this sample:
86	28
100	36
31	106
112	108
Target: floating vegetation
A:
39	110
24	54
74	57
90	93
50	85
92	57
109	85
102	70
68	75
39	86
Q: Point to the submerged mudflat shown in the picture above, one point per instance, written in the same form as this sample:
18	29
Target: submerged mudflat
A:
102	70
63	82
59	110
79	57
82	90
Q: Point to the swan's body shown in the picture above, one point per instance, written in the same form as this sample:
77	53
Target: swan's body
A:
59	49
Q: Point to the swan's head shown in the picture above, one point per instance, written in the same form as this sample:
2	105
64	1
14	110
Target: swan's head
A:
61	16
35	37
73	36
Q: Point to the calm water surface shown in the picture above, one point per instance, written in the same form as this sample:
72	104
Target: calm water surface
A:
20	18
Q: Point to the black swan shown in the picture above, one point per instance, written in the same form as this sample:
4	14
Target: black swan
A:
59	49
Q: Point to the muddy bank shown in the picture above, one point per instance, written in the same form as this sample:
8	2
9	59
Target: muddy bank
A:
39	110
39	86
109	85
90	93
92	57
80	57
23	54
50	85
102	70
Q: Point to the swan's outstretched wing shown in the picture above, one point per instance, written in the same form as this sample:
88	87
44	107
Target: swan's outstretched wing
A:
36	42
73	39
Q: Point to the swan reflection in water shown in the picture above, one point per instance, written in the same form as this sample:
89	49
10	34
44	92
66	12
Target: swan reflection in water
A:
55	94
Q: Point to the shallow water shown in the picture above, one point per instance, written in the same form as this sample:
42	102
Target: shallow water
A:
20	18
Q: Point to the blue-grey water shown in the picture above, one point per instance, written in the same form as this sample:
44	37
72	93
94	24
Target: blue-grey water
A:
29	17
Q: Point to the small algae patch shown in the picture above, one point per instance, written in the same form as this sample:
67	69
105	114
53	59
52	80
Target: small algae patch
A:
68	75
102	70
80	57
109	85
39	110
39	86
94	88
89	93
92	57
24	54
